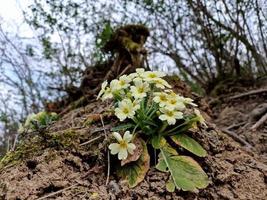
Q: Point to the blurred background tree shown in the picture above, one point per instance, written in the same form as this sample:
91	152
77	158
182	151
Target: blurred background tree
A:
206	42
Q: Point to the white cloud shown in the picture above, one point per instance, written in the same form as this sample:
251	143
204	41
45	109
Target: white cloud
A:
12	17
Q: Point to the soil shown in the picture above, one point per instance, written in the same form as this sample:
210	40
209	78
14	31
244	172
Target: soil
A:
240	114
66	167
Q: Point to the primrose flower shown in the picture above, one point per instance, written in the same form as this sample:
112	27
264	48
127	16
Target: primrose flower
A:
170	115
123	147
140	89
174	103
126	109
103	89
161	83
115	85
137	74
107	94
199	117
124	81
187	101
140	71
151	76
161	98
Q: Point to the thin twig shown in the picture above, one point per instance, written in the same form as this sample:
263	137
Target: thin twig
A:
236	137
8	144
261	121
125	69
235	125
247	93
58	192
106	137
101	129
15	142
90	141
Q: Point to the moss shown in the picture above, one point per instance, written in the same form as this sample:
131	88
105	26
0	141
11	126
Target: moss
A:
130	45
36	145
66	139
23	151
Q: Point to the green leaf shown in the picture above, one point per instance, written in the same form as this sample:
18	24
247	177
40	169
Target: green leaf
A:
189	144
134	172
122	127
170	186
185	172
158	141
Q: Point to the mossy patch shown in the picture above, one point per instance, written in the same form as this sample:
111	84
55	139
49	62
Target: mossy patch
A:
24	150
35	145
68	138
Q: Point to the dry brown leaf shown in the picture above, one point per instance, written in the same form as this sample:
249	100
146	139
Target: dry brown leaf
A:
137	152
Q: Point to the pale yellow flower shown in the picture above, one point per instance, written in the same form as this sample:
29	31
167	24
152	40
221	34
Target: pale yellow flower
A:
161	83
199	117
170	115
103	89
151	76
123	147
140	89
126	109
107	94
138	73
187	101
161	98
115	85
124	82
116	88
174	103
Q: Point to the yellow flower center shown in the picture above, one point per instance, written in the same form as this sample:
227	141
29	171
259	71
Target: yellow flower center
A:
152	75
141	89
123	144
169	113
122	82
173	101
125	111
163	98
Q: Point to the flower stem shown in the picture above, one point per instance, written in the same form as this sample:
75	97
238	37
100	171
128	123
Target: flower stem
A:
163	128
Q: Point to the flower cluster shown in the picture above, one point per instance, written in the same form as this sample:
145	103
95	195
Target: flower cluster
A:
130	91
151	113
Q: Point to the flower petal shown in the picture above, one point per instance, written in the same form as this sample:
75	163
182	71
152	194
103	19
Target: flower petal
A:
127	136
171	121
131	147
123	154
114	148
117	136
163	117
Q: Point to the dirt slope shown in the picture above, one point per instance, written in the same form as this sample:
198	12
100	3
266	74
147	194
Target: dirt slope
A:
64	167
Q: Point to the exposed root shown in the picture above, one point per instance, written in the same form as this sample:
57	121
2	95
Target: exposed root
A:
237	137
252	92
58	192
260	122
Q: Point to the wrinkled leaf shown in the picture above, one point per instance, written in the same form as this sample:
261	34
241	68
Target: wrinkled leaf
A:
137	152
122	127
158	141
134	172
189	144
185	172
162	166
